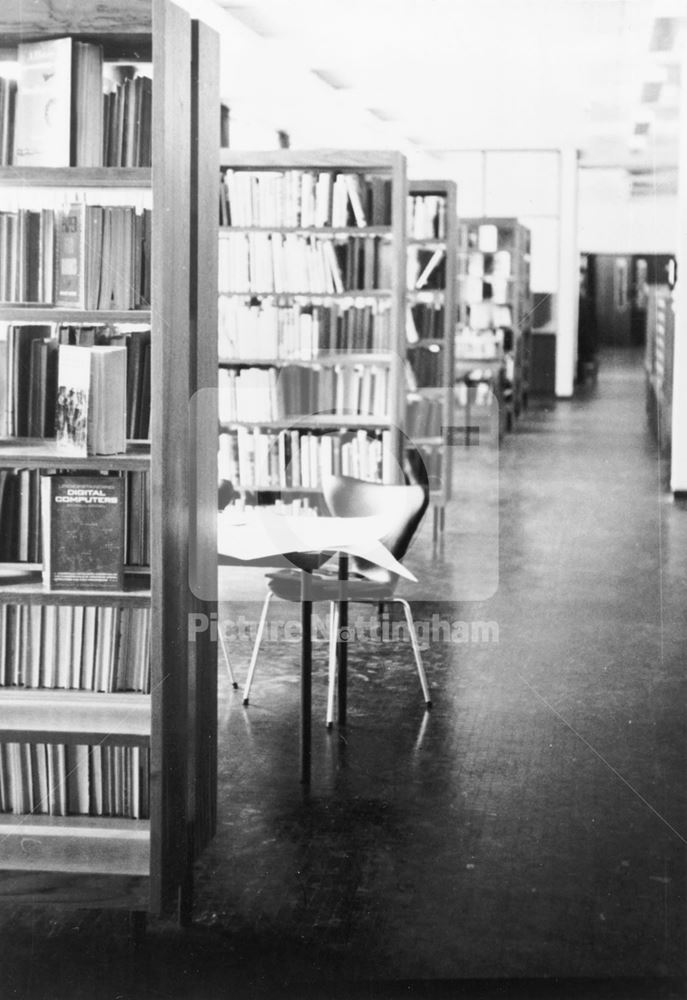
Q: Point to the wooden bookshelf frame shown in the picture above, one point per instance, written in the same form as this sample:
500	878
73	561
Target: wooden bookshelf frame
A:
140	865
446	189
520	302
388	163
658	364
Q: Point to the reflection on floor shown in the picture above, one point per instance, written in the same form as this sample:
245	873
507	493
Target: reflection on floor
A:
532	825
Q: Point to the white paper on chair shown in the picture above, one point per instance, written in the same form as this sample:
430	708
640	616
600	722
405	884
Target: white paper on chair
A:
254	534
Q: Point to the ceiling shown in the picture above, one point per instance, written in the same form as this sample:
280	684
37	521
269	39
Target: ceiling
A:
446	75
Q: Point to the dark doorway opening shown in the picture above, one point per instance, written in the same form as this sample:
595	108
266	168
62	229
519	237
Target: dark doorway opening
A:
614	291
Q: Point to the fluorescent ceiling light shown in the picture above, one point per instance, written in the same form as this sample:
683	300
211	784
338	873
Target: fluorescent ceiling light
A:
254	19
333	79
651	91
663	34
384	116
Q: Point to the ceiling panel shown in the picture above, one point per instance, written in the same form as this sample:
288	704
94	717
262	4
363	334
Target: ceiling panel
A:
451	74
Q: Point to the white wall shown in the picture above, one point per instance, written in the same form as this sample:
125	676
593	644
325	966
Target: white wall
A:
612	222
678	471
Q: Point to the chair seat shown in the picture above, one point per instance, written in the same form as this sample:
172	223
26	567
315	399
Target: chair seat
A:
286	584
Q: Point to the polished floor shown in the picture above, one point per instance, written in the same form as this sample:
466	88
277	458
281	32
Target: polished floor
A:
524	838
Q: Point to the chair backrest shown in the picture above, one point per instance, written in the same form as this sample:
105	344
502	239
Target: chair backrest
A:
403	508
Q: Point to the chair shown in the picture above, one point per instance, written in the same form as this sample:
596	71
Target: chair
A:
403	507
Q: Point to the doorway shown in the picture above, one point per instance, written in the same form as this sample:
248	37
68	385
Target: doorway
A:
613	298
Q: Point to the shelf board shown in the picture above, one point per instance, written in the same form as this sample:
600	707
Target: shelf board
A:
357	293
32	312
428	391
427	441
325	422
75	890
331	231
20	586
296	490
336	160
35	567
342	358
429	241
42	453
78	177
426	342
75	844
59	716
427	294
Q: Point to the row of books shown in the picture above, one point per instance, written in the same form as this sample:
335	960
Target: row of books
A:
291	262
21	530
424	416
426	268
259	395
301	330
54	779
473	290
425	321
8	97
486	236
35	365
480	264
127	121
426	217
85	257
427	363
487	343
68	113
251	458
304	198
80	648
489	315
296	507
27	256
481	392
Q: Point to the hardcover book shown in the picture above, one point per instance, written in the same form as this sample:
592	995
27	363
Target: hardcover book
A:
83	532
59	104
43	117
90	416
70	257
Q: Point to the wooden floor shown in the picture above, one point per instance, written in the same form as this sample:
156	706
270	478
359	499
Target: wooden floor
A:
524	838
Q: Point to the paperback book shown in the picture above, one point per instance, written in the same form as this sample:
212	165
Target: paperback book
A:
83	532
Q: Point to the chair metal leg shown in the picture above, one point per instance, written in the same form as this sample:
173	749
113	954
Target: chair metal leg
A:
333	634
416	649
256	648
225	654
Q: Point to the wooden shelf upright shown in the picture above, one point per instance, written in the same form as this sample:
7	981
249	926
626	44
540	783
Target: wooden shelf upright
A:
143	865
497	272
433	230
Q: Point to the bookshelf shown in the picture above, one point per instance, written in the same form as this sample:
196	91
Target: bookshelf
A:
658	363
432	270
311	318
494	306
125	832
